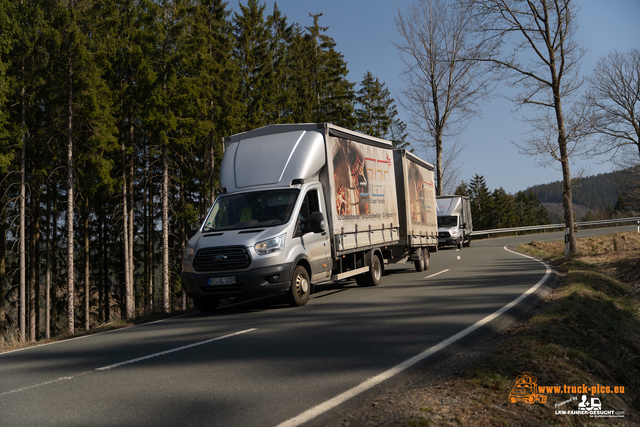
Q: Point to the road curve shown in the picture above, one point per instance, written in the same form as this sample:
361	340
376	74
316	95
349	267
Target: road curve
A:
260	364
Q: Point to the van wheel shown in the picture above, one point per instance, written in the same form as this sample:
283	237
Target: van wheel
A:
459	245
374	276
468	242
206	304
300	288
419	263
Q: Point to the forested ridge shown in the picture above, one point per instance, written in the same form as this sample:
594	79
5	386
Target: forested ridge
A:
111	117
596	192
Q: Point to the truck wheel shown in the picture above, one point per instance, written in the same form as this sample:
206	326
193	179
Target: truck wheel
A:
469	242
419	263
374	276
206	304
459	244
300	289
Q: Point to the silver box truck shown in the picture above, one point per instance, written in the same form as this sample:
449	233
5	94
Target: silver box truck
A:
454	221
303	204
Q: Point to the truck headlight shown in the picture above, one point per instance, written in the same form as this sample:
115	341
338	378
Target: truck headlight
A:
454	231
270	246
188	253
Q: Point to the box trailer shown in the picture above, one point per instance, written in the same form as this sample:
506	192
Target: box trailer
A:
454	221
304	204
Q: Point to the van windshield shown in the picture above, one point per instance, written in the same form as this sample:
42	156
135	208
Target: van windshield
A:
266	208
447	221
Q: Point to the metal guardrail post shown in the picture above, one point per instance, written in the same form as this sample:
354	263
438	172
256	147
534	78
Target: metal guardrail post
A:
567	245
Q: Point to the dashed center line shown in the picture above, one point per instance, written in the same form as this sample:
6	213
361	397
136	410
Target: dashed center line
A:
173	350
126	362
443	271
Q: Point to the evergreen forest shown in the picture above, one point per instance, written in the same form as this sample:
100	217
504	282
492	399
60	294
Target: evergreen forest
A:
495	209
111	118
595	192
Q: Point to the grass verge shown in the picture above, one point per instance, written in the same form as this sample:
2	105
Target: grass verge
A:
583	339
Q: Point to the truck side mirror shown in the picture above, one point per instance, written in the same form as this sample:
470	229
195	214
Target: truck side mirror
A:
464	226
317	222
191	231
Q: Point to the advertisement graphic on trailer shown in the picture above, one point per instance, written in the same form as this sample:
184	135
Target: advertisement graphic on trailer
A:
364	184
420	192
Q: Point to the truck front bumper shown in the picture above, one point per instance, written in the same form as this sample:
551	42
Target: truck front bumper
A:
452	241
269	280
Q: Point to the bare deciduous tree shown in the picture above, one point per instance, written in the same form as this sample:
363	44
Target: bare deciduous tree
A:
614	95
443	86
539	54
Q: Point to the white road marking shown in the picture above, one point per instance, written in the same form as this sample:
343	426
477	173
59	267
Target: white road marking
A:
458	256
173	350
371	382
40	385
139	359
443	271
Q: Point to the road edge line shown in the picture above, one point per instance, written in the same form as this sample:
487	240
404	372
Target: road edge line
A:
371	382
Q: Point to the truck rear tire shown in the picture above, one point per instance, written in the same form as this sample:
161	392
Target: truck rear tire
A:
206	304
374	276
300	289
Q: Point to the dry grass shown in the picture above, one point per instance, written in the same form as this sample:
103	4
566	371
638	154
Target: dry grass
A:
586	332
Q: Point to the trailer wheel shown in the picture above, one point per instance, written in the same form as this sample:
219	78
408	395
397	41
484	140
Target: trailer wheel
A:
300	288
427	258
374	276
419	263
206	304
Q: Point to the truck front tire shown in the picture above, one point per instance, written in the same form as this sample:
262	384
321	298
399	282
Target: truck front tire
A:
300	289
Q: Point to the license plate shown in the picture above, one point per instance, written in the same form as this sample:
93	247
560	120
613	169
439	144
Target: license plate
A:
230	280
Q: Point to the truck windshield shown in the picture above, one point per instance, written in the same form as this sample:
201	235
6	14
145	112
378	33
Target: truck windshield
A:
266	208
447	221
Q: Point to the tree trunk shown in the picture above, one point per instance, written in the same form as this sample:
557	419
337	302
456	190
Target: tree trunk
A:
87	292
105	271
47	293
439	171
22	316
32	270
70	201
165	229
132	292
128	307
3	268
100	260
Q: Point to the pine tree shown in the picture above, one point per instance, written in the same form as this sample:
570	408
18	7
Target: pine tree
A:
504	210
332	91
482	206
255	60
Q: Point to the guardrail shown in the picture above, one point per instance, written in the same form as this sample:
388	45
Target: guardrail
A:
557	226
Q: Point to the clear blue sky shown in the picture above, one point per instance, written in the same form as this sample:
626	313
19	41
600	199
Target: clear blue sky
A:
365	31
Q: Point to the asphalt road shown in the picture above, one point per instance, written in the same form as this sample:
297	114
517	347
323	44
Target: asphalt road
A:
263	363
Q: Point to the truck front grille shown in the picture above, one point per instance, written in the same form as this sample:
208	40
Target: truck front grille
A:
221	259
444	234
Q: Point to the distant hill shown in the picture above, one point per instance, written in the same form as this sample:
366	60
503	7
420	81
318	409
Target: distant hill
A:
593	193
